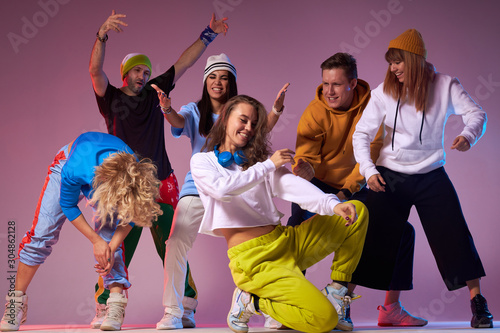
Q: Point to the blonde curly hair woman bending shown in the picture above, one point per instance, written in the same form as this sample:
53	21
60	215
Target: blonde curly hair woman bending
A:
119	187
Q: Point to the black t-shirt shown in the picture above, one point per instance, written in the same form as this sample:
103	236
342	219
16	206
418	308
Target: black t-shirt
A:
138	120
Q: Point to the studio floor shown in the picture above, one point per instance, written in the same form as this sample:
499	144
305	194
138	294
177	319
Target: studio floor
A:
438	327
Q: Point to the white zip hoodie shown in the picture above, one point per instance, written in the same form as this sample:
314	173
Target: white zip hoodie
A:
410	155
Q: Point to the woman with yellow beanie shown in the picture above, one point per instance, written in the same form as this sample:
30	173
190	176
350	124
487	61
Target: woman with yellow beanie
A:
414	102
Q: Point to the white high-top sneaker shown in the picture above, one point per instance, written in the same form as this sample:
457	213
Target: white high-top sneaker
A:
115	312
16	310
100	313
169	322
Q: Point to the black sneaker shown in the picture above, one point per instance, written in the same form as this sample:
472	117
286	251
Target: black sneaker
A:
481	316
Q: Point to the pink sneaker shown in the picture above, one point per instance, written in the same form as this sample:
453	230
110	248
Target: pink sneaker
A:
396	315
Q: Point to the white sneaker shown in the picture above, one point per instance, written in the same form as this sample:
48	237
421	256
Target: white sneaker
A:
169	322
341	302
16	310
396	315
115	312
100	313
272	323
189	305
242	308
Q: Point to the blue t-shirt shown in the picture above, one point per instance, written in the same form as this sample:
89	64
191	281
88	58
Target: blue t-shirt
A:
87	151
191	116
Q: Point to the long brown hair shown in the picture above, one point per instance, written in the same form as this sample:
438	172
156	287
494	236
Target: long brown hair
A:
257	149
418	74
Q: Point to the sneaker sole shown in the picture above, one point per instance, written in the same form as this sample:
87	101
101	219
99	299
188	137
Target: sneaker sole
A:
234	329
95	326
483	325
110	328
399	325
11	328
343	327
173	327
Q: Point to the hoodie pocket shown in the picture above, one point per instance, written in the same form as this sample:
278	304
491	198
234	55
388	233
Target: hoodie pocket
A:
419	156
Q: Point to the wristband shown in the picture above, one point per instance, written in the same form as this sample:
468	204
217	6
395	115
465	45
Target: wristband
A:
165	110
207	35
347	193
278	113
102	40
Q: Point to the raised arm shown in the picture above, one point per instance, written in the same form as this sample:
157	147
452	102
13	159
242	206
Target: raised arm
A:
278	107
194	52
99	78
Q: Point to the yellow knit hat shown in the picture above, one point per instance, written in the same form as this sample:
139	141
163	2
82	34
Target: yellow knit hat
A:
131	60
411	41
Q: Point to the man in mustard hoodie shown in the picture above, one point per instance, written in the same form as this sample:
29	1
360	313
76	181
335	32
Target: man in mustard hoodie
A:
324	155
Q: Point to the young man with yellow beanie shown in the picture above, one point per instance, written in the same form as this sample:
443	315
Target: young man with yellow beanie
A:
413	104
324	156
133	114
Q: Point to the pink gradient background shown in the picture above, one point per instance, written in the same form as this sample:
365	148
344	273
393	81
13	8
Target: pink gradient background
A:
47	100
